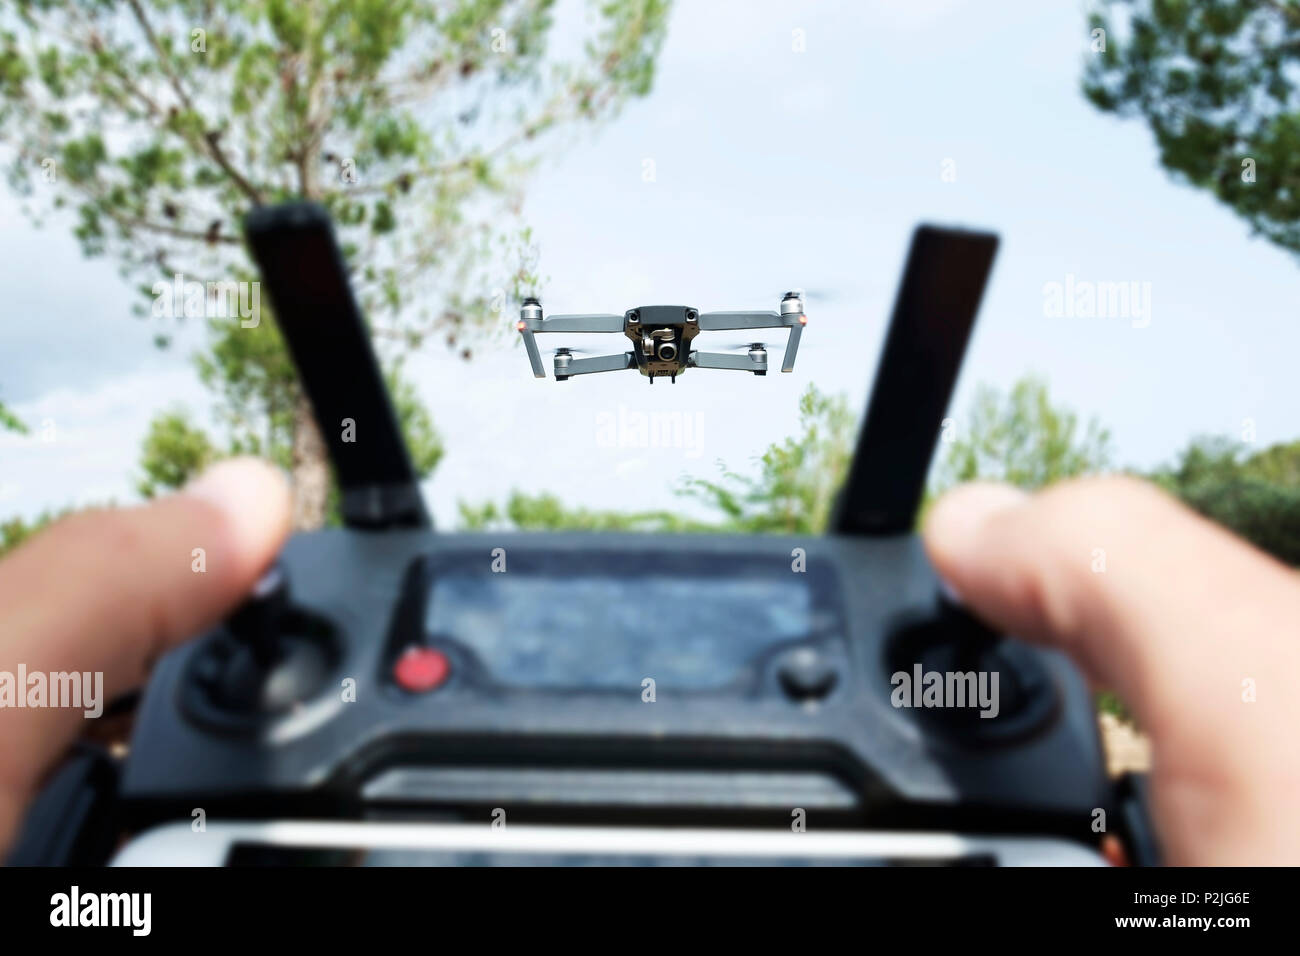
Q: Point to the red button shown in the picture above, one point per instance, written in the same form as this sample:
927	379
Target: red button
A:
421	669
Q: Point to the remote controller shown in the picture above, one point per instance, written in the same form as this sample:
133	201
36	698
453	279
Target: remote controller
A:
392	690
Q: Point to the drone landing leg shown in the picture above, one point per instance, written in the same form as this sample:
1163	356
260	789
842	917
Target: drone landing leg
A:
791	347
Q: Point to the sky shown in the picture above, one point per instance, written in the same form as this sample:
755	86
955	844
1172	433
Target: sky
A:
773	168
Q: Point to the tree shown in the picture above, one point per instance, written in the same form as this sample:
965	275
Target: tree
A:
1020	438
161	122
1256	496
174	450
797	479
1279	464
1216	81
792	493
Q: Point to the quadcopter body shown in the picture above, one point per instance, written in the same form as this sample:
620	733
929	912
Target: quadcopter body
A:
662	339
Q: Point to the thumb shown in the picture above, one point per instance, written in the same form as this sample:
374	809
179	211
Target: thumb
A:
1195	630
107	592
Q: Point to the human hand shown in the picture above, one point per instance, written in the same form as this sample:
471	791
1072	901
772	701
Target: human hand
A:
1183	614
1197	631
110	591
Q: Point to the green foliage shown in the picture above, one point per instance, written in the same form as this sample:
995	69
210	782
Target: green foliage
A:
1279	464
414	123
1216	81
797	478
1020	438
545	512
1256	496
1108	702
174	451
253	376
792	492
422	439
9	422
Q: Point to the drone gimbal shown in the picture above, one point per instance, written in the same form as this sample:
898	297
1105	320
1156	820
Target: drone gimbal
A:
661	338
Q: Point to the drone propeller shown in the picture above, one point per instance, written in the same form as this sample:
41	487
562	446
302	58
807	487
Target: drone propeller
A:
571	350
747	344
809	295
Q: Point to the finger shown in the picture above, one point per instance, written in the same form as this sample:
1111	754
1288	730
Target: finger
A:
107	592
1176	615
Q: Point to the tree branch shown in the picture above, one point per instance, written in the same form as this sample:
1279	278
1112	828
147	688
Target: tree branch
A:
209	140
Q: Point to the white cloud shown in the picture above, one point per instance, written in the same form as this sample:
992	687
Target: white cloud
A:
96	434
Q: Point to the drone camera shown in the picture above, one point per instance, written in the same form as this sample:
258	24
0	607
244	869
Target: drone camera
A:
667	351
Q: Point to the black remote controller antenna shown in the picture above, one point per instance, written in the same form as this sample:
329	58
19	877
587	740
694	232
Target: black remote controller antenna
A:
933	315
303	269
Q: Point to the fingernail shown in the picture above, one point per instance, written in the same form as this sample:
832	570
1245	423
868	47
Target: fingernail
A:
956	521
251	494
229	484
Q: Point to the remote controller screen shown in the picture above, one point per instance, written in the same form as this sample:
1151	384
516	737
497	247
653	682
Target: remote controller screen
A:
606	632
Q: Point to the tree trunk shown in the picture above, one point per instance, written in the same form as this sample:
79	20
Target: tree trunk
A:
311	469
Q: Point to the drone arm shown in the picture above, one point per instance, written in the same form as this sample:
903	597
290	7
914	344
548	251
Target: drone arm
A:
792	320
601	322
530	326
725	360
616	362
720	321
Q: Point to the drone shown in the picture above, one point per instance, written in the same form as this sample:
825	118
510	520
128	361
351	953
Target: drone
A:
662	336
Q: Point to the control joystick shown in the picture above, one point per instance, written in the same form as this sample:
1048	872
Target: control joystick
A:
268	657
256	623
955	641
972	639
